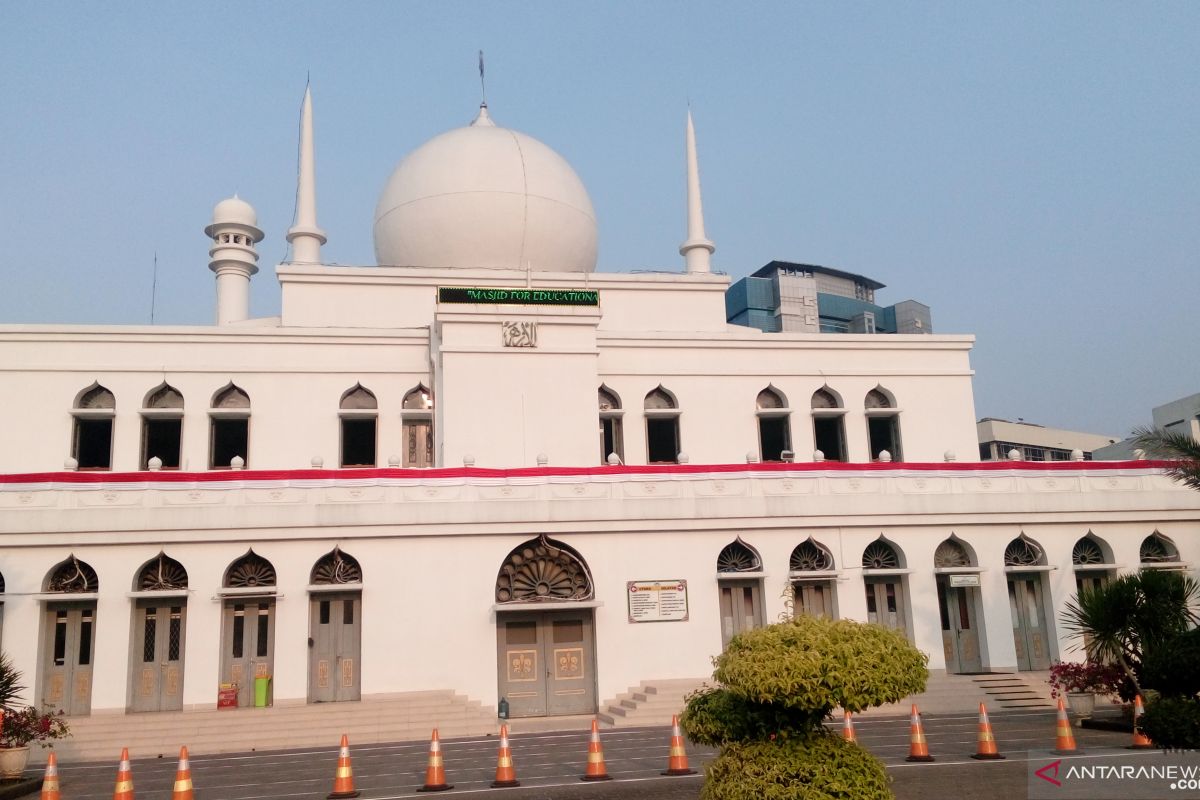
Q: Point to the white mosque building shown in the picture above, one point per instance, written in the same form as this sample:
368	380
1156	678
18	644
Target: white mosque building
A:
483	466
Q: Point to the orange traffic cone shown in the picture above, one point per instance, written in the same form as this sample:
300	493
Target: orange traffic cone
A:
1064	740
987	742
848	728
677	763
343	776
918	748
183	778
1140	740
124	788
435	773
50	782
506	774
596	770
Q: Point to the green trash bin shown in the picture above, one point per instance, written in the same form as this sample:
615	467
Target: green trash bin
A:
262	690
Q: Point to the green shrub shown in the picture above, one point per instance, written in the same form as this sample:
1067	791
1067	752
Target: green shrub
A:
818	664
819	766
1173	723
715	717
1173	669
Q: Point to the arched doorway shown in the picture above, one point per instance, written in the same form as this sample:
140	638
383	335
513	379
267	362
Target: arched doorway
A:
1025	563
814	577
1093	562
69	637
958	598
545	631
248	626
335	629
157	645
883	576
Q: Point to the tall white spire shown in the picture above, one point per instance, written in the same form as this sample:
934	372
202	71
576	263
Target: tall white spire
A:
305	236
697	250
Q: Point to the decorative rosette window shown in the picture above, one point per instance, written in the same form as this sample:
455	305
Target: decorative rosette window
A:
543	571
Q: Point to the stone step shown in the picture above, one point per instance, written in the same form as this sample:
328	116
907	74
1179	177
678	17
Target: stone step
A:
372	720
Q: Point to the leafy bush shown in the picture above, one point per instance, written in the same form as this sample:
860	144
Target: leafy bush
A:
717	717
819	766
778	684
814	663
1173	669
1173	723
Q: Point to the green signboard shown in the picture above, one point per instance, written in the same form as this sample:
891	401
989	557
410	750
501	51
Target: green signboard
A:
491	295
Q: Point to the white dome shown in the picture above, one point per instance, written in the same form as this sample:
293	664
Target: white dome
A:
234	210
488	197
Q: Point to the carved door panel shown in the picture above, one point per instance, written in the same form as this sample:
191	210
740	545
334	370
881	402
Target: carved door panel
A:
157	658
547	663
68	649
960	632
334	636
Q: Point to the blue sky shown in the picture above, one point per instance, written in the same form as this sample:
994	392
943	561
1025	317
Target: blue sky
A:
1029	170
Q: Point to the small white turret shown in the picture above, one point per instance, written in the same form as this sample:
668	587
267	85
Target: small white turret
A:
697	250
305	236
234	232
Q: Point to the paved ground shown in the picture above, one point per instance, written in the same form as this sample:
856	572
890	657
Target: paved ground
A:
549	764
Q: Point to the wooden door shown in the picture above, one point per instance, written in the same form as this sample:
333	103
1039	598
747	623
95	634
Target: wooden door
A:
885	603
157	656
68	647
1026	603
248	645
547	662
814	598
960	633
741	607
335	641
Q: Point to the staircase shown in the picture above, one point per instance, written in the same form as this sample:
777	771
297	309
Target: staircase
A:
651	703
391	718
1017	690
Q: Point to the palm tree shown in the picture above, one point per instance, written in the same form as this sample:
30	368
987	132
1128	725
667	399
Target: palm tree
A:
1129	617
1177	447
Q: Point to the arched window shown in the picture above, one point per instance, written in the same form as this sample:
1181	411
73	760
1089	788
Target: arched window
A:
161	573
612	440
358	414
829	430
1158	549
92	433
72	577
880	554
1087	553
336	567
229	428
883	424
950	554
543	571
737	556
248	572
1024	552
774	426
811	556
662	427
162	426
417	417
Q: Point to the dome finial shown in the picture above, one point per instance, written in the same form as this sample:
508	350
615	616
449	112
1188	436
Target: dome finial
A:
483	119
697	250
